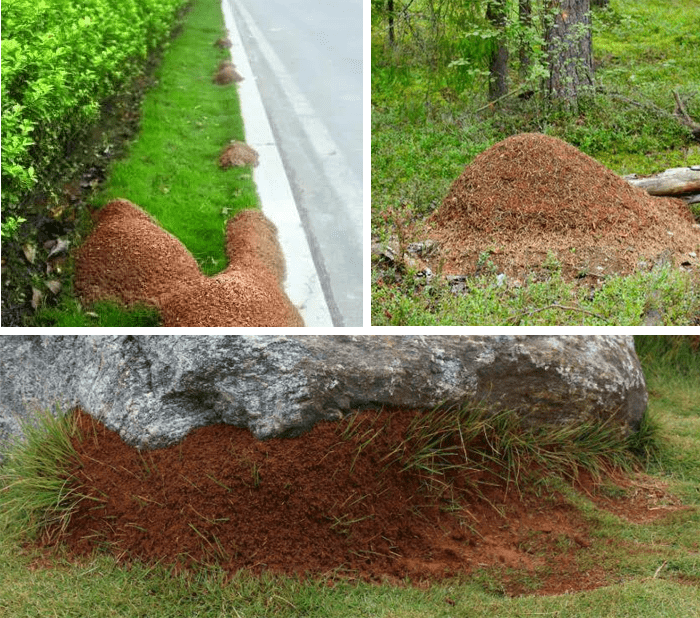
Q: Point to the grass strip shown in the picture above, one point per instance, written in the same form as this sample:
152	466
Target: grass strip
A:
171	169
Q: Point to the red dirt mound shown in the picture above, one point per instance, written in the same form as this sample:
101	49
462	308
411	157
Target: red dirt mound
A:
129	258
531	194
327	503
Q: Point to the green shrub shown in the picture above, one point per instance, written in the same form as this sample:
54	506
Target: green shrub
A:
60	60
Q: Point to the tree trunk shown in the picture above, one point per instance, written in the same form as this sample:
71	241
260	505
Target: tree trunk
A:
390	10
569	51
498	64
525	17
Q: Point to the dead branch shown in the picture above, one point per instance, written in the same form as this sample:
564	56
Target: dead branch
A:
675	181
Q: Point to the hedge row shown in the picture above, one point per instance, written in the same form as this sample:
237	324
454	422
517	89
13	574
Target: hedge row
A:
60	60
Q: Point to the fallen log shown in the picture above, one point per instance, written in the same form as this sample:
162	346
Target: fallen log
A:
674	182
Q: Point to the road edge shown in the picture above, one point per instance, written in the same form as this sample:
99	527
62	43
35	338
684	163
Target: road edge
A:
302	285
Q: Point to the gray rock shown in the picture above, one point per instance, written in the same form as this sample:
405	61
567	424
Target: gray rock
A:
153	390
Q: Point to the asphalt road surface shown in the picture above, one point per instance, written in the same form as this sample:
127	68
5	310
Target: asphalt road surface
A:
307	60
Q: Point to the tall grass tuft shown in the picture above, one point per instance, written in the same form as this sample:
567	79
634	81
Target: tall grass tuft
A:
451	446
36	495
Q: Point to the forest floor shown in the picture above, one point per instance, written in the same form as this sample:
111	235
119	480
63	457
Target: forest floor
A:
539	260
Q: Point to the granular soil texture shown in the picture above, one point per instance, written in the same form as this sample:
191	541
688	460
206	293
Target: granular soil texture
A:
238	154
532	194
130	259
337	502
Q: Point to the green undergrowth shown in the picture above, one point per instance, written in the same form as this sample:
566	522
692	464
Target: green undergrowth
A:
428	123
171	168
653	568
671	296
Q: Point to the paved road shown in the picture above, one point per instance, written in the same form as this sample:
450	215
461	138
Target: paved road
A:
306	56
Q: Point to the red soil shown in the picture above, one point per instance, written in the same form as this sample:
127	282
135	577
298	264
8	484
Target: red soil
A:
320	505
129	258
531	194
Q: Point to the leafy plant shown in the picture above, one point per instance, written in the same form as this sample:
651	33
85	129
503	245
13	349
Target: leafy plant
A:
59	62
10	226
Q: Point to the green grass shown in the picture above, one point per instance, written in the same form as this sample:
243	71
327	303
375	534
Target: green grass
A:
423	136
675	296
171	169
36	492
654	574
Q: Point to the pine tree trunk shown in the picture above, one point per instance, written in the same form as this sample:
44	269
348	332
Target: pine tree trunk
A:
569	51
498	64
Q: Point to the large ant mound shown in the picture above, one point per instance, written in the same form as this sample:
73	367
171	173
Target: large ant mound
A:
345	499
531	194
129	258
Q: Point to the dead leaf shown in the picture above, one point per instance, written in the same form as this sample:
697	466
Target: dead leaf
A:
61	246
54	285
36	298
29	251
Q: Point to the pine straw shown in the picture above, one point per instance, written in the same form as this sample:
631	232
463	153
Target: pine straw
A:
531	194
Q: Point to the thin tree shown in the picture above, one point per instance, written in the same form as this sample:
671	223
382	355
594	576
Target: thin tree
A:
496	13
390	10
525	18
569	50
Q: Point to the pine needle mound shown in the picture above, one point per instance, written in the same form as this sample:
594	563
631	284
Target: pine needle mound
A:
130	259
531	193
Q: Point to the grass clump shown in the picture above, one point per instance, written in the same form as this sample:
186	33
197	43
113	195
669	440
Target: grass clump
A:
455	448
35	489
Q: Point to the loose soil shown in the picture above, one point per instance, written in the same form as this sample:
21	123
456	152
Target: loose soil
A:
130	259
331	503
226	74
532	194
238	154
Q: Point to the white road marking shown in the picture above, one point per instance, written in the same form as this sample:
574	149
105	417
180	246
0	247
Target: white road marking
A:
303	286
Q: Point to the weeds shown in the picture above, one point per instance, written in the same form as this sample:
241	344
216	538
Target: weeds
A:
35	477
456	450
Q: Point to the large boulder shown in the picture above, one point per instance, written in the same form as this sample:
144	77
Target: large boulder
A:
154	389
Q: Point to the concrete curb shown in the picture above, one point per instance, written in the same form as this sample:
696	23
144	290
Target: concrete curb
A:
303	286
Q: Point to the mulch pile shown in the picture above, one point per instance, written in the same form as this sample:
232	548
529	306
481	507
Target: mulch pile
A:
531	194
130	259
324	504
